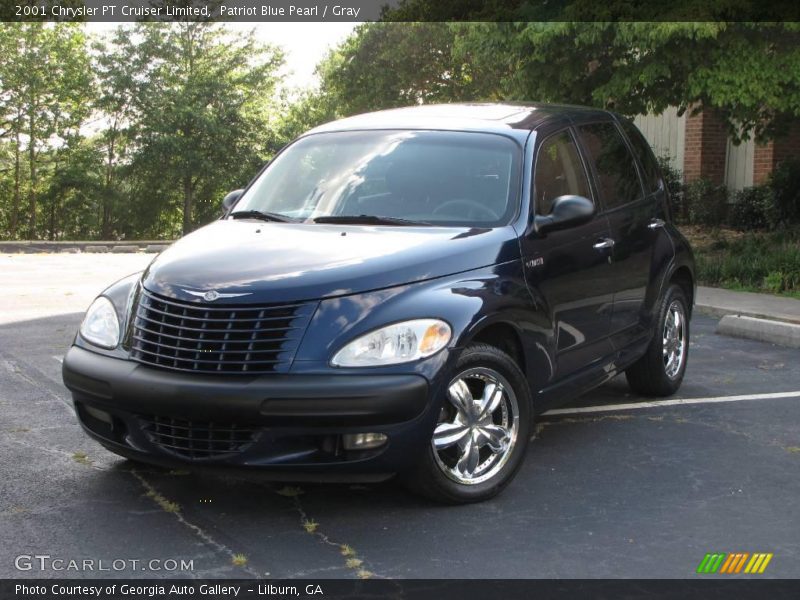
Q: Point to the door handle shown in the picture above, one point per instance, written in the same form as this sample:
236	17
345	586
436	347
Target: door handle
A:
603	243
656	223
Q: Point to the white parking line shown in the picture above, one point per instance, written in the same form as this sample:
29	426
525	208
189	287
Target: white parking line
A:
673	402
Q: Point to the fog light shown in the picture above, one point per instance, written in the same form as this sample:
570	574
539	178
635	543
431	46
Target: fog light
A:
100	415
363	441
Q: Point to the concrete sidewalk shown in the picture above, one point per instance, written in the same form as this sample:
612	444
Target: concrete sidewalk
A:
773	319
717	302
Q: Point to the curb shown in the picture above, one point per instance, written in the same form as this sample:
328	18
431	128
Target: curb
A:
719	312
764	330
93	247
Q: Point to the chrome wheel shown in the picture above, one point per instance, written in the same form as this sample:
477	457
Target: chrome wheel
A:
478	426
674	344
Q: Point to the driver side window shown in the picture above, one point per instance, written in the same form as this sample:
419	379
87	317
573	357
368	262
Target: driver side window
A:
559	171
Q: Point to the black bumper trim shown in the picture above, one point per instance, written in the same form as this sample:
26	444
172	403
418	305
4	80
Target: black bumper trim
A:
287	400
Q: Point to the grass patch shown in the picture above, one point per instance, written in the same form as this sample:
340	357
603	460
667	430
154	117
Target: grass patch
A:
166	505
82	458
750	262
793	449
364	574
289	491
239	560
178	472
347	550
310	526
353	563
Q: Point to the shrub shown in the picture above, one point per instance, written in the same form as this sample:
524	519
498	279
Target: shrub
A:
750	208
765	261
785	184
706	202
673	179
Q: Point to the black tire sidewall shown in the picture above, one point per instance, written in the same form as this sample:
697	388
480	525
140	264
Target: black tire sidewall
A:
429	478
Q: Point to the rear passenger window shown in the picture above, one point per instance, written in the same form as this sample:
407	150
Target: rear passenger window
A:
616	170
559	171
645	155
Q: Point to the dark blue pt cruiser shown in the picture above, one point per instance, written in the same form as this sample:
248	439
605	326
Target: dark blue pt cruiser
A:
400	292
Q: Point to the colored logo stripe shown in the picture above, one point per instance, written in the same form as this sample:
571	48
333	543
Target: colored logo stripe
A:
710	563
734	562
758	563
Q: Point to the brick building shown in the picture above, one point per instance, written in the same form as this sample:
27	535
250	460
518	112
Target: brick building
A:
698	145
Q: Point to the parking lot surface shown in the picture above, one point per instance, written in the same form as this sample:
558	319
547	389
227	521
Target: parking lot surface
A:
615	491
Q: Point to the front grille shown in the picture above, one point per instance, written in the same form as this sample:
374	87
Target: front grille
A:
197	439
243	339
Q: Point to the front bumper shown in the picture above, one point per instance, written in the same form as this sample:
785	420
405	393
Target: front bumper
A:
281	423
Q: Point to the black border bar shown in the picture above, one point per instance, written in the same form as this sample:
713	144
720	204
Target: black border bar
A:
398	10
702	587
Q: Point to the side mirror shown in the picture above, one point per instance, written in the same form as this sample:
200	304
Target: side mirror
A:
229	200
567	211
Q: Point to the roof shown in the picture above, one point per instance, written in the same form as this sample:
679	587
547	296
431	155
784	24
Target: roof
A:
489	117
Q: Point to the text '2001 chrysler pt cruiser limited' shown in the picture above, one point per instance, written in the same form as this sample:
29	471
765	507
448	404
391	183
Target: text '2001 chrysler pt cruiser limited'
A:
397	293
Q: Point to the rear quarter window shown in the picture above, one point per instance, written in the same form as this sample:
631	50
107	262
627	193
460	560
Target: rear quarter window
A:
652	177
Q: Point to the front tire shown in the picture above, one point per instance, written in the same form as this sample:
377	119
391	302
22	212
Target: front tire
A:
660	371
483	430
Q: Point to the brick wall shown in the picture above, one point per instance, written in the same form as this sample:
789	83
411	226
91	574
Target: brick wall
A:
767	156
705	147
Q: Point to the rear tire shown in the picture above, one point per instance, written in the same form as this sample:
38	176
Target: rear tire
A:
660	371
483	430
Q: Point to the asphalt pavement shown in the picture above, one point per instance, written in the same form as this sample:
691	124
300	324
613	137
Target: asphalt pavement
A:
604	492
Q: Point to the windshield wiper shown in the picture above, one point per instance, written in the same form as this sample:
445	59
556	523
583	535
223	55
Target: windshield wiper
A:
264	216
367	220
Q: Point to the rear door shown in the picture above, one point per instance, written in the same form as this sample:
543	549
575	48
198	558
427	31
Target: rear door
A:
629	212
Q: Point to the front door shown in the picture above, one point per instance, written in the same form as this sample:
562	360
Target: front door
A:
568	270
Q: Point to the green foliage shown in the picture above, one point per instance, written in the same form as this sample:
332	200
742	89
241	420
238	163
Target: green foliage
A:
758	262
44	99
202	104
785	184
706	203
386	65
749	72
138	134
673	180
750	208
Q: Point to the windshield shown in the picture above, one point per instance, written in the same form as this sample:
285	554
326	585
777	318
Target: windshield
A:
391	177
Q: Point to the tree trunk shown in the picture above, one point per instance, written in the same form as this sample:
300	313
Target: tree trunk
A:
105	230
17	195
32	161
188	199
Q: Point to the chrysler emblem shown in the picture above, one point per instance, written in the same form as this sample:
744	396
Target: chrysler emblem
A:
212	295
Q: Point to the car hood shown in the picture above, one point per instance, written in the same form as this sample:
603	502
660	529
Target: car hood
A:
277	262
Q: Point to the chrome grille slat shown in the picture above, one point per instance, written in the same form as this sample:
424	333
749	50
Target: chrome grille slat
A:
200	340
212	320
188	328
232	339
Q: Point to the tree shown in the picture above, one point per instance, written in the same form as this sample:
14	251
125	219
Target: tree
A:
118	70
44	101
748	72
201	100
385	65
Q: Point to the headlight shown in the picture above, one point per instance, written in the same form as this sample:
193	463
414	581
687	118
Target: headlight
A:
393	344
100	325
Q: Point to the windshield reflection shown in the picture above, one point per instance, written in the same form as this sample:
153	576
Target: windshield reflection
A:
422	177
